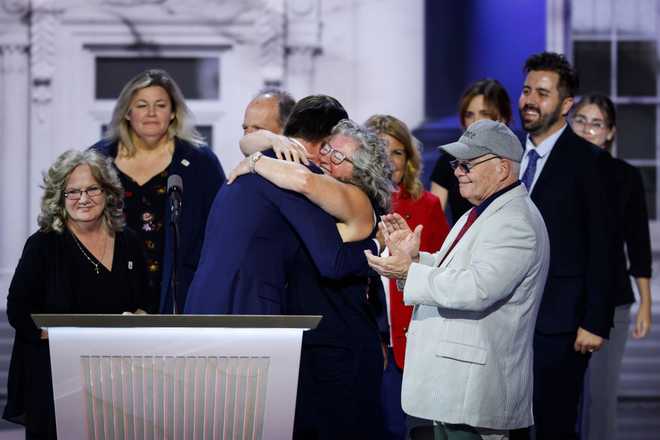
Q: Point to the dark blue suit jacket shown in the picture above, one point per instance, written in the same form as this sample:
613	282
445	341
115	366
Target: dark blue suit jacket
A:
572	194
202	176
255	231
272	251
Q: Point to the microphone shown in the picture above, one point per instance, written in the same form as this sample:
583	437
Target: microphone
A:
175	194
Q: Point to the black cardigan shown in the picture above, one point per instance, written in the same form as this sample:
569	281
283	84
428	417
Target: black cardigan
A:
42	284
632	230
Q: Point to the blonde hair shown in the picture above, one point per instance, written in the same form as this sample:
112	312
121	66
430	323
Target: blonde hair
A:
389	125
181	126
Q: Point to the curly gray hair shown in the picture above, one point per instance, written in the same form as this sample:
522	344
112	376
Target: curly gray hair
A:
53	214
182	126
372	170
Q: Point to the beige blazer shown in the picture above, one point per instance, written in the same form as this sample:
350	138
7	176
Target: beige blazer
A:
469	354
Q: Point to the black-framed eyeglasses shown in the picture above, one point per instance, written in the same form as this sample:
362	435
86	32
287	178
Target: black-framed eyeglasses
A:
579	122
336	156
467	166
76	194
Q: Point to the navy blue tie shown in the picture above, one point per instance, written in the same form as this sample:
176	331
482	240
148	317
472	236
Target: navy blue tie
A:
530	171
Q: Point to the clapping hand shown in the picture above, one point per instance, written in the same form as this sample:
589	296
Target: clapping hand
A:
403	245
397	234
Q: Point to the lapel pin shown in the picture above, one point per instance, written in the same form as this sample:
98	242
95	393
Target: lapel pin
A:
185	162
130	265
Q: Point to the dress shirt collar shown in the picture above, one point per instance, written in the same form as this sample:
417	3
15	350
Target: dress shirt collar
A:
545	147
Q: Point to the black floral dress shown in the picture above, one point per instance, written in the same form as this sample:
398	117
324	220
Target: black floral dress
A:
144	208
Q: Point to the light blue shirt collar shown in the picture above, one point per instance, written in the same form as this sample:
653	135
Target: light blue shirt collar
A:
545	147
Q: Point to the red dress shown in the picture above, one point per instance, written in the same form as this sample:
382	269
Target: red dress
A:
425	211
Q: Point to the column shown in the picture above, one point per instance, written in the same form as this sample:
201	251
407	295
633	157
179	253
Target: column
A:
14	158
303	44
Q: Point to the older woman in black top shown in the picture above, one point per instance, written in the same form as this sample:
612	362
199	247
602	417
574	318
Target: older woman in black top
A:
80	261
151	137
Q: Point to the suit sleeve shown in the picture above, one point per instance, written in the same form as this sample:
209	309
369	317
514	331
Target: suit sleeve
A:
197	301
599	310
318	231
27	291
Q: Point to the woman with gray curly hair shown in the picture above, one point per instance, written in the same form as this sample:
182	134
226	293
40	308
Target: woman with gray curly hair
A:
356	188
81	260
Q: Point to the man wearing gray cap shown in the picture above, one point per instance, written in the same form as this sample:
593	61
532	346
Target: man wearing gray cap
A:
469	354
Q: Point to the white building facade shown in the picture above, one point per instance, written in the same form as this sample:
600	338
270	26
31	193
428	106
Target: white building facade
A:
62	63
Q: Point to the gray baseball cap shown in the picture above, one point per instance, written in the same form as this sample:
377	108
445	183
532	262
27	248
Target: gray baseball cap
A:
486	137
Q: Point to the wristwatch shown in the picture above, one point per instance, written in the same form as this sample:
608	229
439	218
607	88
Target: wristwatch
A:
253	161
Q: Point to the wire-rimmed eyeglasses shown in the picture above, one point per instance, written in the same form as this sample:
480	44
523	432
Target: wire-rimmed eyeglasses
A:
580	123
336	156
76	194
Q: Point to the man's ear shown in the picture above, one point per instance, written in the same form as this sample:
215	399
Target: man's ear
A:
566	105
504	169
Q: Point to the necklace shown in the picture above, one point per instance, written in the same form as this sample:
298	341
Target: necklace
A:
96	265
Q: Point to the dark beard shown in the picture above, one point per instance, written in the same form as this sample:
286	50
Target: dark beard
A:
543	124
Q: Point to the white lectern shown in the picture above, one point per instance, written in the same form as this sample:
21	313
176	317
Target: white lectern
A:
174	376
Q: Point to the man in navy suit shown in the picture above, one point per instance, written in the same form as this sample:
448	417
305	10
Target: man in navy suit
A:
566	177
271	251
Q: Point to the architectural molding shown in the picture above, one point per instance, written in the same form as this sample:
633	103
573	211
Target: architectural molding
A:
303	23
13	58
17	7
303	44
44	23
269	27
124	3
557	26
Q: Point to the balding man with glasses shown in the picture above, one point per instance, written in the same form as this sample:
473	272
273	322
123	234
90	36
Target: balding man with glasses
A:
469	354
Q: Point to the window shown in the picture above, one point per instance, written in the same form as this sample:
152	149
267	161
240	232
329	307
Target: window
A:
196	71
614	49
198	77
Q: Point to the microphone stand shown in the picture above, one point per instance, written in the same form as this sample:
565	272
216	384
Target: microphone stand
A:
175	218
175	253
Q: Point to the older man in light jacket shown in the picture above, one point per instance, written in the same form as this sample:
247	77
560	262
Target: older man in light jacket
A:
469	354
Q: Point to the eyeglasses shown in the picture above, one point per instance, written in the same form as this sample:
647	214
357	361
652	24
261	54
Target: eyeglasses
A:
579	122
76	194
466	166
336	156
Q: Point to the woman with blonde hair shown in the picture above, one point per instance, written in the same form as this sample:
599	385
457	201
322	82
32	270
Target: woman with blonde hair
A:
150	138
81	260
417	207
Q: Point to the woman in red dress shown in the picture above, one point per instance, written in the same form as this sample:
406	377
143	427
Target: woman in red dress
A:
418	207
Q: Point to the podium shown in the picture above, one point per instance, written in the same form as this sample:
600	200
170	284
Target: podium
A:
175	376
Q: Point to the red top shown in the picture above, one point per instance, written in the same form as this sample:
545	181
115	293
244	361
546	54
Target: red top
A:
425	211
